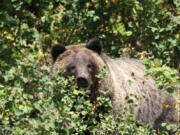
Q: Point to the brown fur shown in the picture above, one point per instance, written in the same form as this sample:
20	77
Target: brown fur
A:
150	110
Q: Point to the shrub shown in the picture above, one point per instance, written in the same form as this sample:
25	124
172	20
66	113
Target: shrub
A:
34	103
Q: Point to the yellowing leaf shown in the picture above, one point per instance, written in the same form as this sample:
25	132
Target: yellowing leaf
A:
6	117
94	107
137	24
178	12
5	32
175	106
178	100
76	92
165	10
24	42
177	36
173	84
40	54
3	112
55	42
166	106
10	37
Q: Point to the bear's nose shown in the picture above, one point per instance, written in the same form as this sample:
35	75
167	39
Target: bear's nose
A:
82	82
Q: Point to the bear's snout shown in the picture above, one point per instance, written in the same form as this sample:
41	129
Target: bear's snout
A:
82	82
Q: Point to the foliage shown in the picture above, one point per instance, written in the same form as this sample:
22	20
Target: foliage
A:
164	75
151	26
32	103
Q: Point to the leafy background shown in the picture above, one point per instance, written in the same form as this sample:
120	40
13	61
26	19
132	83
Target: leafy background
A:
29	100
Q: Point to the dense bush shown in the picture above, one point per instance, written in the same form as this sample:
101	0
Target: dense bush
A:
33	103
151	26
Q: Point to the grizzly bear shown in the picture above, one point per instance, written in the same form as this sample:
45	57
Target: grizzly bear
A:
125	77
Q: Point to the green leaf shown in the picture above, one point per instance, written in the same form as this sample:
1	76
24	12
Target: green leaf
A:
130	82
170	90
163	124
132	74
128	33
130	101
157	63
168	127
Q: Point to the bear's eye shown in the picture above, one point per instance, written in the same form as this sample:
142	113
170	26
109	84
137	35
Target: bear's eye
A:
90	67
71	69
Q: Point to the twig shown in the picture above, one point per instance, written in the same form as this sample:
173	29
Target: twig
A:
67	39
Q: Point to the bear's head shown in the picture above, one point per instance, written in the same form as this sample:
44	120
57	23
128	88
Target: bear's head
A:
81	61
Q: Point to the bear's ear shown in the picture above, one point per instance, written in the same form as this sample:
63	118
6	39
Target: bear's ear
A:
95	45
56	50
